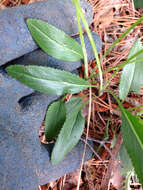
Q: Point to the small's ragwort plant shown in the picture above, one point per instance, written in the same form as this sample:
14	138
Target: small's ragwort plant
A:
64	121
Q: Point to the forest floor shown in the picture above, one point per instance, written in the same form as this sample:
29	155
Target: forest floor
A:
111	19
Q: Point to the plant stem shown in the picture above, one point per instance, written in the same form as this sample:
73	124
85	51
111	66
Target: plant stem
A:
76	3
115	97
87	133
122	36
108	82
82	44
117	41
119	67
128	61
135	108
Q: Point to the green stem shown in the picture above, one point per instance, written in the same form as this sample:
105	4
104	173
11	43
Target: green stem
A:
76	3
117	100
117	41
83	45
135	108
128	61
119	67
122	36
108	82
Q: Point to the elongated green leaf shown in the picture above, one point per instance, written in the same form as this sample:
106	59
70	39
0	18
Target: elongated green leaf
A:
48	80
69	135
138	3
54	41
55	118
132	77
74	102
132	130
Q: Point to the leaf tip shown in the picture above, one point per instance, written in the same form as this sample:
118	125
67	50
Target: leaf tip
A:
7	69
29	21
54	161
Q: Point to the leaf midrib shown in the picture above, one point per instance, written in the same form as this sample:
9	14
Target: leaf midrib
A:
51	39
64	148
31	76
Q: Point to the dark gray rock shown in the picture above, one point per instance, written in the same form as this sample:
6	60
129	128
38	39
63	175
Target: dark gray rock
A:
15	39
38	57
24	161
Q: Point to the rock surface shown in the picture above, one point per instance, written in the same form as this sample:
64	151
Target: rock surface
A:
24	161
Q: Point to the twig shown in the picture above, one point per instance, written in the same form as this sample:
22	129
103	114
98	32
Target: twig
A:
96	154
88	122
112	164
103	143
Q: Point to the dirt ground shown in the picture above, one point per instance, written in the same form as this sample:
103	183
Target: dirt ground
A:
111	19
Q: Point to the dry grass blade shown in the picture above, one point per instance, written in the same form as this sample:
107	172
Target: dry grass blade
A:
88	123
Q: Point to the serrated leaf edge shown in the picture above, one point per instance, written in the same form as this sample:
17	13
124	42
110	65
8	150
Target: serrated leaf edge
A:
49	110
133	162
62	71
71	132
53	40
77	112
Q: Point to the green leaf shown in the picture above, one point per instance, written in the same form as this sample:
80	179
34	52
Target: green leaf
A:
73	103
132	77
54	41
132	130
48	80
69	135
55	118
125	161
138	3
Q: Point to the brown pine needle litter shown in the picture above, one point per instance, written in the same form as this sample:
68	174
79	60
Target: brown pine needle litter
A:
111	19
